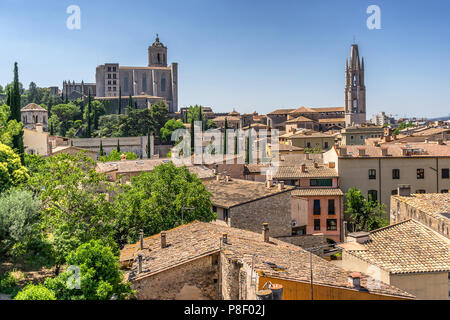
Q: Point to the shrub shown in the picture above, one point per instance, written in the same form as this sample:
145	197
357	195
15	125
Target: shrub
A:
35	292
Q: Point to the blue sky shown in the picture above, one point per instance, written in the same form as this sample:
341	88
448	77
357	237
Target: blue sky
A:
249	55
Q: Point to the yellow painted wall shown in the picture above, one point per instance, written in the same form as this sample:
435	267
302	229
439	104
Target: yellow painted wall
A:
293	290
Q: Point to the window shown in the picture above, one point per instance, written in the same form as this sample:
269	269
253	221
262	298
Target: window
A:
316	224
351	137
444	191
395	173
114	69
421	191
316	206
326	145
420	173
163	83
372	174
109	75
394	192
144	83
308	144
321	182
331	209
372	195
445	173
114	76
214	209
331	224
109	69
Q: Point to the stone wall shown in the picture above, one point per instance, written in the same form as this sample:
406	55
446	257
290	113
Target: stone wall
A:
306	241
236	281
195	280
275	210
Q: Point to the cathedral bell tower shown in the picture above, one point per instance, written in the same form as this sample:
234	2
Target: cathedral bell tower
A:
355	90
157	54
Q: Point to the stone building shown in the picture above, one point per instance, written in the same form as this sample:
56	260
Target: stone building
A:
377	171
79	90
355	89
247	204
407	255
156	82
32	114
211	261
430	209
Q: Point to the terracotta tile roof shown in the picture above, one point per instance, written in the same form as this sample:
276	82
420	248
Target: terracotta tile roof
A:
435	204
295	172
33	107
296	159
406	247
303	110
332	109
281	111
236	191
312	135
143	165
299	119
416	150
317	192
199	239
331	120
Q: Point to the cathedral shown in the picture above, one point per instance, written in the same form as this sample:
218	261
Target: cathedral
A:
355	89
146	85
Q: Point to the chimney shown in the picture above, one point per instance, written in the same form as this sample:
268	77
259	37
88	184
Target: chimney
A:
227	178
316	164
388	138
354	280
225	237
342	151
140	263
269	183
404	190
163	239
384	152
141	238
331	165
361	152
360	237
266	232
404	151
303	167
218	176
280	185
440	141
307	156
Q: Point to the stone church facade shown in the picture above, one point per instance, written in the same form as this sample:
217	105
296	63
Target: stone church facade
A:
355	89
147	85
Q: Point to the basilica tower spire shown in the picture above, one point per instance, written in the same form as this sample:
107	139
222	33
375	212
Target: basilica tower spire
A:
355	89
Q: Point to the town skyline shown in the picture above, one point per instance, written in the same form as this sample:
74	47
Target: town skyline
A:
255	63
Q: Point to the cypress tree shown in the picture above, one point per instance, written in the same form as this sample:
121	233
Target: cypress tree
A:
14	103
51	129
101	149
236	144
120	101
67	99
88	129
118	145
225	137
192	135
71	143
130	104
148	147
247	151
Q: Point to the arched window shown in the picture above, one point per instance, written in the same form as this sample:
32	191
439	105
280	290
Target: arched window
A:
355	105
354	80
159	58
163	83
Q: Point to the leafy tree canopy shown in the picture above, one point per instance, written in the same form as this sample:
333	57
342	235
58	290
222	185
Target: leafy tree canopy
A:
12	173
170	126
115	155
8	128
35	292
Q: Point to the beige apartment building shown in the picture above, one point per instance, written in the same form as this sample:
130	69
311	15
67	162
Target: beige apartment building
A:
418	261
357	135
377	171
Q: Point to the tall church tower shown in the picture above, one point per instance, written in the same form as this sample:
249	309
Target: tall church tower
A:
355	90
157	54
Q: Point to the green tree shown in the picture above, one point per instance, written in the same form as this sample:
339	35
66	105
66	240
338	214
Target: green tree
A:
88	122
148	146
12	172
8	127
170	126
115	155
159	114
130	104
63	117
192	134
14	101
35	292
75	209
154	201
365	215
100	276
118	145
101	153
225	137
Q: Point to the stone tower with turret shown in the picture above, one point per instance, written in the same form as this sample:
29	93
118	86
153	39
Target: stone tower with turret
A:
157	54
355	89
